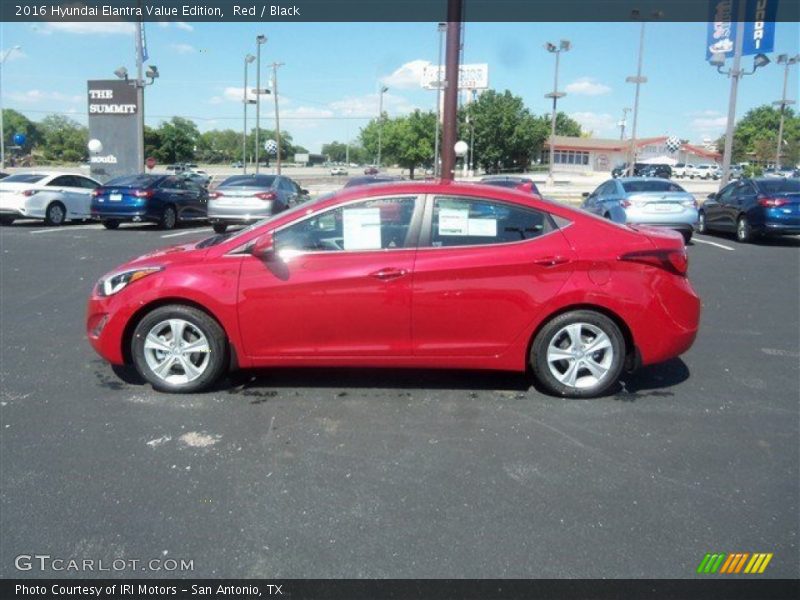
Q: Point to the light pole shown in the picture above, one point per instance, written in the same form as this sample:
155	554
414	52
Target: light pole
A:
638	79
735	73
248	59
139	83
783	59
623	122
275	66
442	28
383	90
260	41
3	58
563	46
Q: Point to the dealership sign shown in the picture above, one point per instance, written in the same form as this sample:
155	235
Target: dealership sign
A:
759	26
470	77
113	109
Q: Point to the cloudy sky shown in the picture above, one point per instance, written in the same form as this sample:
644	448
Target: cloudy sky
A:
329	82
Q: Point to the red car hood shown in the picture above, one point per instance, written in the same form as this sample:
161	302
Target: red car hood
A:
177	254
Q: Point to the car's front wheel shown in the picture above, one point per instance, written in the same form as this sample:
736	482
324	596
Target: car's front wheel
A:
744	232
111	224
220	227
169	218
578	354
179	349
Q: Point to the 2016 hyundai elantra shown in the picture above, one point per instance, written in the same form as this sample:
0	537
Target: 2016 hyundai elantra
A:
415	274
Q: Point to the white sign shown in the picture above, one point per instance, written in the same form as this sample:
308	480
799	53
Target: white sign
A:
482	227
453	221
470	77
361	228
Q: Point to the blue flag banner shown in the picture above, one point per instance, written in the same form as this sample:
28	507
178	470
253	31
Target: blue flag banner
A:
145	54
759	27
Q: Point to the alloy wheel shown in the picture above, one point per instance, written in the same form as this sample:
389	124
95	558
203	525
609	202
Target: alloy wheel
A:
580	355
176	351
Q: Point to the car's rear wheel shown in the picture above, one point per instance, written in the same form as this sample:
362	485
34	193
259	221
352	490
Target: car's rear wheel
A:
179	349
111	224
701	222
169	218
6	220
55	214
578	354
744	233
687	236
220	227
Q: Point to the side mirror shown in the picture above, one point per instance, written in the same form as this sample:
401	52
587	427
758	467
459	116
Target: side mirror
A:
304	191
585	194
264	247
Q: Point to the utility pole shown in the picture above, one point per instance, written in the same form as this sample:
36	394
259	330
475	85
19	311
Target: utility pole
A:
783	59
623	122
442	27
139	97
449	133
383	90
260	41
275	66
3	58
638	79
249	58
563	46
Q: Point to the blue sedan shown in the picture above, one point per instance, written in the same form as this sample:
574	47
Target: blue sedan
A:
752	208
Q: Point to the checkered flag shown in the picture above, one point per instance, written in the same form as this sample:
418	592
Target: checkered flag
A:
271	146
673	144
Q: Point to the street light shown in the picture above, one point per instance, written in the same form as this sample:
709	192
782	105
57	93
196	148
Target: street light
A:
564	46
783	59
383	90
3	59
260	41
248	59
735	73
122	73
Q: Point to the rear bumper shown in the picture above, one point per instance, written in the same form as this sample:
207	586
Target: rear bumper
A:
135	216
779	229
682	227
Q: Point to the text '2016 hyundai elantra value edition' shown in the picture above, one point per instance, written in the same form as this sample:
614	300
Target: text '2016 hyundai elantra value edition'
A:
415	275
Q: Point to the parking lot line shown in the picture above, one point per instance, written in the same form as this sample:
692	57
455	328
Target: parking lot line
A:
169	235
710	243
67	228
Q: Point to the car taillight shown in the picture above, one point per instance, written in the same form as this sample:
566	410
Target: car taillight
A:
676	261
689	203
215	195
767	202
29	193
95	193
143	193
624	203
266	195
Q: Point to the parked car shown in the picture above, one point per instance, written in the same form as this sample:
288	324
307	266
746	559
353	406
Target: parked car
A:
237	165
641	200
735	171
3	174
371	171
371	180
200	178
53	196
781	172
679	170
751	208
655	170
247	198
338	171
524	184
704	171
157	198
497	281
176	168
621	170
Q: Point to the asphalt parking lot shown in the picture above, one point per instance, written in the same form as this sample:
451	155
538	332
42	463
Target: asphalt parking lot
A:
374	474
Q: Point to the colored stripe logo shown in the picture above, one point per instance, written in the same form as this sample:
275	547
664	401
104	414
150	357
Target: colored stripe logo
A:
734	563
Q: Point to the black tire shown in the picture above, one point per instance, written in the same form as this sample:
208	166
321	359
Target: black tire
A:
6	220
687	236
220	227
111	224
217	355
607	217
169	218
701	222
56	214
744	232
553	331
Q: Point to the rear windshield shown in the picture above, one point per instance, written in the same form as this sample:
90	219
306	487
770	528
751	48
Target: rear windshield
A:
777	186
656	185
23	178
262	181
138	181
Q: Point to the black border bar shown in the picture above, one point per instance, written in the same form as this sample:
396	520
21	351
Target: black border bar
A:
380	10
732	588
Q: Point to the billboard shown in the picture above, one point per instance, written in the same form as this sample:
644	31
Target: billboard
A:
113	108
470	77
759	26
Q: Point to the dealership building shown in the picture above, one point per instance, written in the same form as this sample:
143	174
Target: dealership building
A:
602	155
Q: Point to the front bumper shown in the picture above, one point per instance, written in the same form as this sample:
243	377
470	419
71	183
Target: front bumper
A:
106	319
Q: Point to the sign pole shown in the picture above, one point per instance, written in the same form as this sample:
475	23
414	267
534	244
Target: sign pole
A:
454	8
736	73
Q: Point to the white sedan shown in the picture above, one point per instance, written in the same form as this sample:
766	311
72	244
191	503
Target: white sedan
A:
55	197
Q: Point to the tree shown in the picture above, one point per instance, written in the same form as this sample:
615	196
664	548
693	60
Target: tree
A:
15	122
759	127
178	138
335	151
410	140
63	139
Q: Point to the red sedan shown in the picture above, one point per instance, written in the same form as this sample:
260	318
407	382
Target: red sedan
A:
416	274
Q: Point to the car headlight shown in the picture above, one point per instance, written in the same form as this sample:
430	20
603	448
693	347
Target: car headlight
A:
116	282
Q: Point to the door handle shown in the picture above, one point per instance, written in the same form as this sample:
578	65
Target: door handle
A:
551	261
389	273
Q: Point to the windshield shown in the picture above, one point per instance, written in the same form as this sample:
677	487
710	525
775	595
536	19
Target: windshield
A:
264	181
138	181
651	186
777	186
232	235
23	178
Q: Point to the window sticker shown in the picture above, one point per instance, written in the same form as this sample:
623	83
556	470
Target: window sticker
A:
482	227
454	221
362	228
